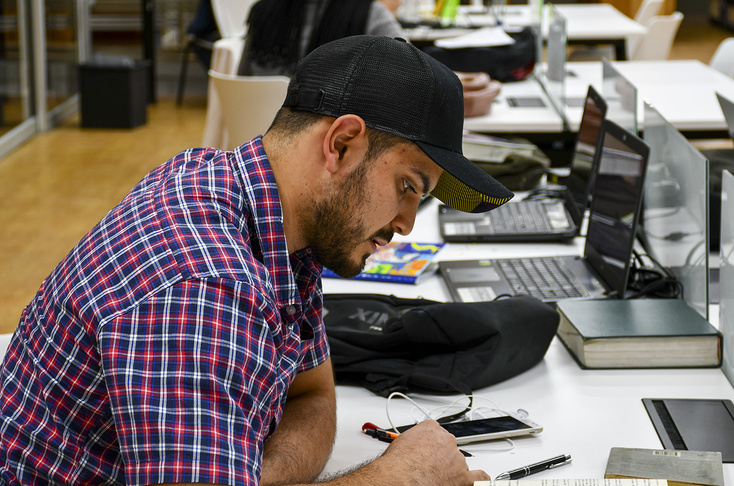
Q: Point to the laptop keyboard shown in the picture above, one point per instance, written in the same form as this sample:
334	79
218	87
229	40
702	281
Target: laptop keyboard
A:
528	217
546	278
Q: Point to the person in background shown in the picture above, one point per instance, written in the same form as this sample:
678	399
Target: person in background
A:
281	32
182	340
204	27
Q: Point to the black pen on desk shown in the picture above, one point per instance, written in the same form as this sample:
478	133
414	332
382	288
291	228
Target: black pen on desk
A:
534	468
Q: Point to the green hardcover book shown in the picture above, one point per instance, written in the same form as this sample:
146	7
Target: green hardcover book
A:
638	333
679	468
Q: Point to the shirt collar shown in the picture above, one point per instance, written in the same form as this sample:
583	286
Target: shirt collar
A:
253	167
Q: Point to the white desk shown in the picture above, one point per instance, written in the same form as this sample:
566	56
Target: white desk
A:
593	23
583	412
504	118
684	92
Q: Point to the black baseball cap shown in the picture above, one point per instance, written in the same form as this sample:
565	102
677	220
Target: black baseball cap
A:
396	88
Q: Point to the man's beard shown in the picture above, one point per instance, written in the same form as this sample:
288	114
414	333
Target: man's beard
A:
333	228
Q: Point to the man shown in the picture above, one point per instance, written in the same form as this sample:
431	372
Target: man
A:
181	341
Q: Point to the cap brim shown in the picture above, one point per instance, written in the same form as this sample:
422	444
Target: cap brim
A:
463	185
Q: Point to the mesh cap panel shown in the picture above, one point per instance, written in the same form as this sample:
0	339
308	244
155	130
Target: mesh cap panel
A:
396	88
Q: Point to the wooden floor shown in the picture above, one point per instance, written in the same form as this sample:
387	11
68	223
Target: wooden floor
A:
57	186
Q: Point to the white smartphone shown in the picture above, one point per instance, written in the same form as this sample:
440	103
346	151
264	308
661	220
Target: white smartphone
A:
509	425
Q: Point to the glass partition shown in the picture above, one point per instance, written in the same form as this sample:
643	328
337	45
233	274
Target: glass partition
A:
674	224
553	75
726	282
621	96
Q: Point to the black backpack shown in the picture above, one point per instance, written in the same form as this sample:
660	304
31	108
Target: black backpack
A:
389	344
512	62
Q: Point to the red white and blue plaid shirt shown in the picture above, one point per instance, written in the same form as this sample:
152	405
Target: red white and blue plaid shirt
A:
162	347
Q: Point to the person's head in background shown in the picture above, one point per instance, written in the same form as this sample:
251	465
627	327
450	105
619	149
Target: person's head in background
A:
392	5
280	32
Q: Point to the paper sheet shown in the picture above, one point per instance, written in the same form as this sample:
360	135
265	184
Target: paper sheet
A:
485	37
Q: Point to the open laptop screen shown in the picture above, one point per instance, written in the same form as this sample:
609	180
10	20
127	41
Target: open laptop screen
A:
616	205
588	142
674	224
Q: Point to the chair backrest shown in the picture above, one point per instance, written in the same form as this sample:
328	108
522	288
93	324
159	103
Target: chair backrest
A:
231	16
645	13
723	58
248	104
226	54
656	43
4	343
648	10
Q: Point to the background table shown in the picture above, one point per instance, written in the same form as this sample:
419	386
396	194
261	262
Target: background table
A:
683	91
593	23
584	412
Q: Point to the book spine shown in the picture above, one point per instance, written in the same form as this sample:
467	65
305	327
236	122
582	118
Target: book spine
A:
384	277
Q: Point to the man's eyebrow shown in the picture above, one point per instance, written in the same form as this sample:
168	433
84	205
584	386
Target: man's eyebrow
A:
424	179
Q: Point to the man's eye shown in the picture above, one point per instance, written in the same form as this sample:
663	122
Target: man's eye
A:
407	187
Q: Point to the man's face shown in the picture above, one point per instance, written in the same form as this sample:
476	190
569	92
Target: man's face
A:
377	199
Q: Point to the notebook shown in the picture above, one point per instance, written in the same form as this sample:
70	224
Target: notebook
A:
539	218
603	269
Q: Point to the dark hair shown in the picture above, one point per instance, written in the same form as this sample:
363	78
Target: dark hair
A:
275	26
288	123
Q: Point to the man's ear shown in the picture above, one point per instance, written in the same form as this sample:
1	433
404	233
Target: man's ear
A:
345	142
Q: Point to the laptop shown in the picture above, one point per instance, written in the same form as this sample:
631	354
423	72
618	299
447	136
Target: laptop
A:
674	218
539	218
603	270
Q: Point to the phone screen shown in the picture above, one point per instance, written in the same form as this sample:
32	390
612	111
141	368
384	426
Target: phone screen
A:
481	426
485	426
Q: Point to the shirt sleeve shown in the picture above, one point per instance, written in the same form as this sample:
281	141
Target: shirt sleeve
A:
197	376
380	21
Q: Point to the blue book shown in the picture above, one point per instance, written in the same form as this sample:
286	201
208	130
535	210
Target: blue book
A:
396	262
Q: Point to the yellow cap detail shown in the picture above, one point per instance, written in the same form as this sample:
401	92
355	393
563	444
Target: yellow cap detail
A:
458	195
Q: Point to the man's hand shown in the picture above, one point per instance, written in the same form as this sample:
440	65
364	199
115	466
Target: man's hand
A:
427	455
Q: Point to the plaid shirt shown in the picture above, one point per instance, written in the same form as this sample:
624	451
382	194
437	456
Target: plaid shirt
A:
162	347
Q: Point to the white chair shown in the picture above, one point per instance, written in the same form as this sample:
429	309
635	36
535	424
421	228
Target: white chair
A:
648	9
656	44
723	58
248	103
225	60
4	342
231	16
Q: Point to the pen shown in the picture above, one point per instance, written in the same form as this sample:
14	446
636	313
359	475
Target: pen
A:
534	468
387	436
